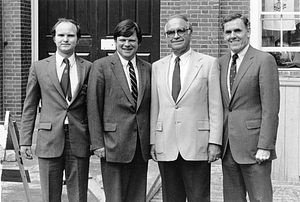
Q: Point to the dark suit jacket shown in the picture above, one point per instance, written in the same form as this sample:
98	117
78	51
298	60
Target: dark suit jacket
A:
251	115
114	123
43	84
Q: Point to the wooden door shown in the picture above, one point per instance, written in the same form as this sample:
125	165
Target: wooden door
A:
97	19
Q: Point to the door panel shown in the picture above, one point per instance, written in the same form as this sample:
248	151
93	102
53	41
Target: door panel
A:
97	19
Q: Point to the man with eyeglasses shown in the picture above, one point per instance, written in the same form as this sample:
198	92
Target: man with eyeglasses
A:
186	116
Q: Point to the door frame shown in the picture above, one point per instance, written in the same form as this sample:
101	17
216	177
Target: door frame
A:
34	30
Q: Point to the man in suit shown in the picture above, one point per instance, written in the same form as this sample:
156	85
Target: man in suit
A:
250	94
119	116
186	116
59	83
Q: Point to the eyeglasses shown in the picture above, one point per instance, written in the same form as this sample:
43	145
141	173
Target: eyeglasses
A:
180	32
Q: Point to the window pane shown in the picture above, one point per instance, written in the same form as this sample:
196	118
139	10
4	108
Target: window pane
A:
287	59
280	5
272	34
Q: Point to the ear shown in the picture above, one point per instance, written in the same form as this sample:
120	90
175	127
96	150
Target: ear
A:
248	32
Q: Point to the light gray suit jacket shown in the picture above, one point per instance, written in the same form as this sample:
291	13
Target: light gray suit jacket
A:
195	120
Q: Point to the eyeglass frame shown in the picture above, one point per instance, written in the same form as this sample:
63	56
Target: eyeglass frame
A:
176	31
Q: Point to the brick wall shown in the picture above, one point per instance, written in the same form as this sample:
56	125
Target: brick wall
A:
205	17
17	54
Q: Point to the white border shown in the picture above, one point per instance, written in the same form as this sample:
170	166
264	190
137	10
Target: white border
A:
255	24
34	31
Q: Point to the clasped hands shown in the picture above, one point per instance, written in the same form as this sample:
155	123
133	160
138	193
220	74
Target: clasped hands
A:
100	152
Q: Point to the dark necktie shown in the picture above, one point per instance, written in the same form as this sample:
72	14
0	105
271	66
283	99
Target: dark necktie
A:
232	70
134	90
65	80
176	86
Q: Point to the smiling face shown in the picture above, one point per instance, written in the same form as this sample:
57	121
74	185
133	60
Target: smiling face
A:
236	34
179	44
65	38
127	46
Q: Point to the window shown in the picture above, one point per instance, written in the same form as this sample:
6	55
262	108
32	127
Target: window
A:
279	30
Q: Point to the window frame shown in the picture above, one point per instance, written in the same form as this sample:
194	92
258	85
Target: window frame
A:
256	28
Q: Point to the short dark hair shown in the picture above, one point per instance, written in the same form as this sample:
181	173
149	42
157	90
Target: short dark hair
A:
126	28
236	16
60	20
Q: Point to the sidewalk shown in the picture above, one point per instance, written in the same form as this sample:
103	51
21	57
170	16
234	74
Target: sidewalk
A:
14	192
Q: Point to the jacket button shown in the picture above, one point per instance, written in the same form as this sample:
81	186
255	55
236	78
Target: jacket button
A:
230	110
176	107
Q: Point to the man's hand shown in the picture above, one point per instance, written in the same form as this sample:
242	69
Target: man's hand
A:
214	152
100	152
26	152
262	155
153	152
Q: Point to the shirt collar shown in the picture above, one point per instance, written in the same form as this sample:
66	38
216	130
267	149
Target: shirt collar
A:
125	62
242	53
184	57
59	59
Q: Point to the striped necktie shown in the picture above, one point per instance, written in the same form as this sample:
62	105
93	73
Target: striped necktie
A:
133	81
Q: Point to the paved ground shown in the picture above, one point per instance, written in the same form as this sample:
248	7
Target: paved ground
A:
14	192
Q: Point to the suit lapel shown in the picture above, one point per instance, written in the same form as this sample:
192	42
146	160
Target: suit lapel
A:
142	80
117	68
81	76
193	69
244	66
224	76
163	74
51	70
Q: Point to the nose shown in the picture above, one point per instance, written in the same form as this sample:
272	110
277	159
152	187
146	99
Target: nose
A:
232	35
65	38
127	43
176	35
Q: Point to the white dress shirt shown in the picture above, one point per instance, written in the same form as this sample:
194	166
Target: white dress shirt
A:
60	66
184	64
126	70
239	60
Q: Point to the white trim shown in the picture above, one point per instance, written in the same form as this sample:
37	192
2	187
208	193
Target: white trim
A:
288	81
34	31
255	24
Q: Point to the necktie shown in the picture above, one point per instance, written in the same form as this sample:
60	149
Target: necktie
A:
134	90
65	80
232	70
176	86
